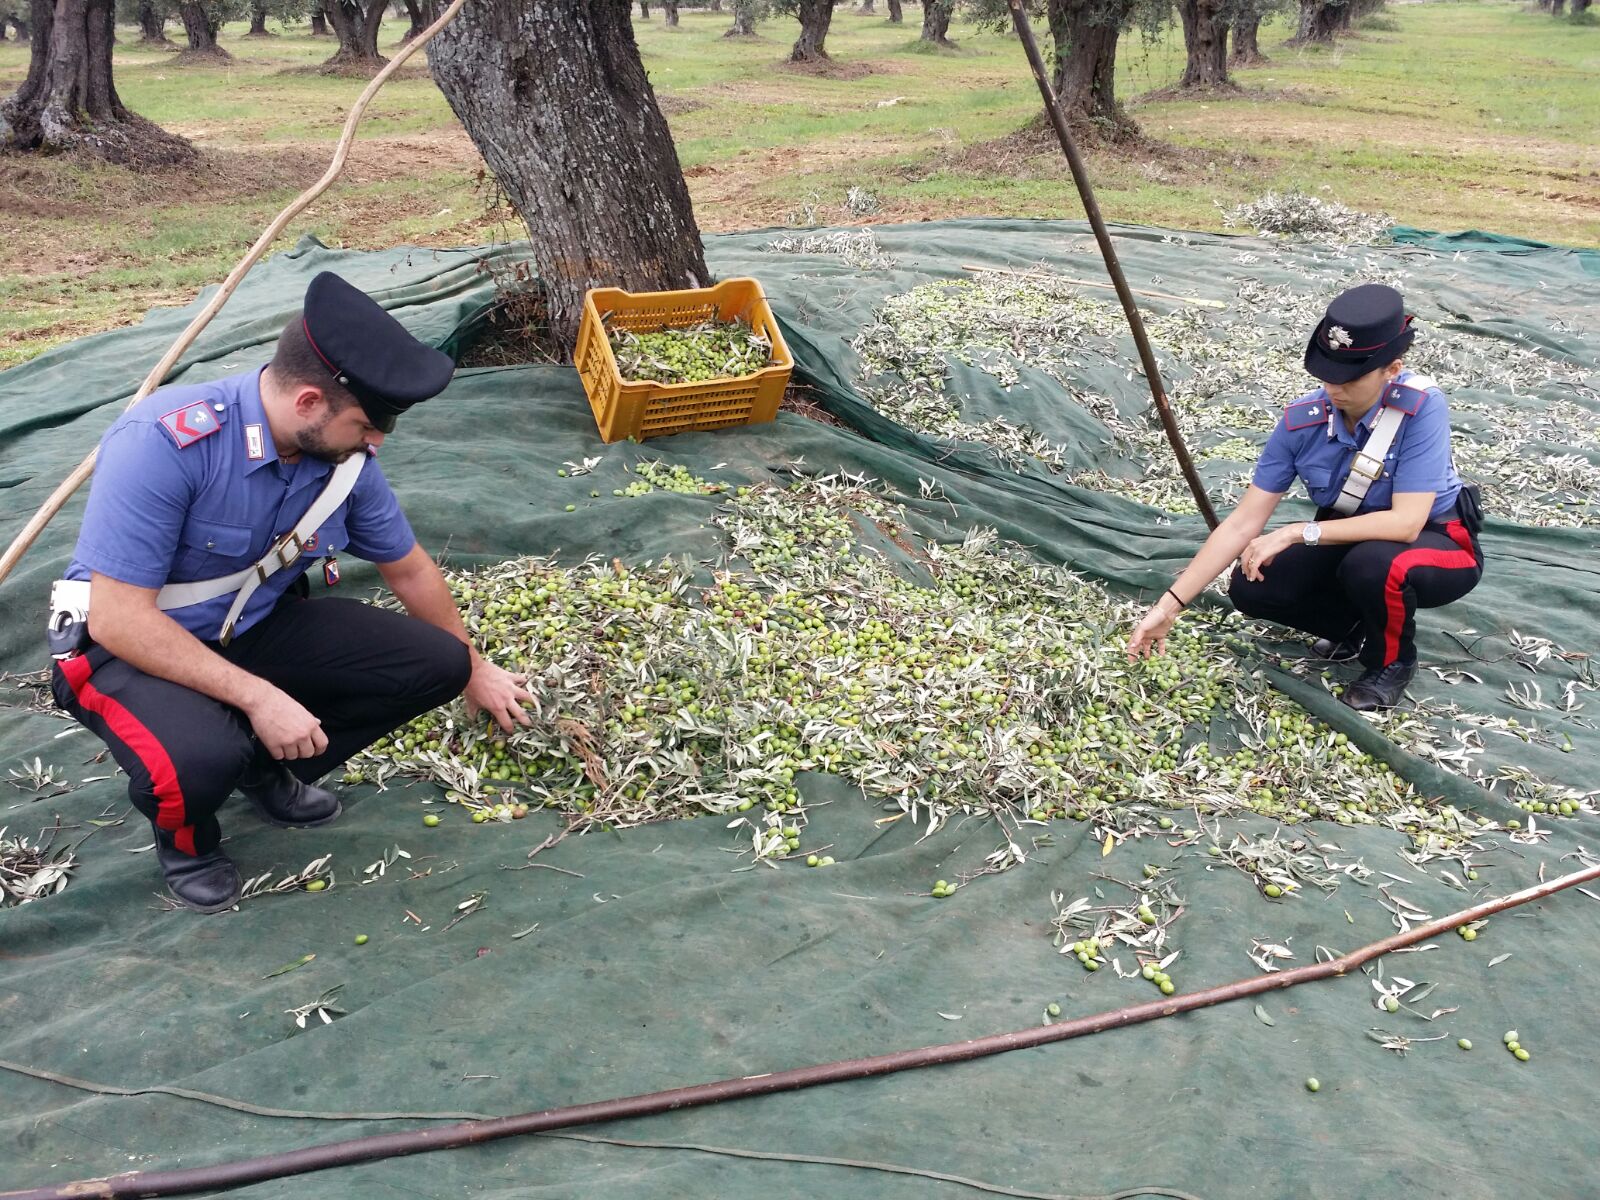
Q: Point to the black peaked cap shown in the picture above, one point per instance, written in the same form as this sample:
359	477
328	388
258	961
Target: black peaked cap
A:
369	353
1365	328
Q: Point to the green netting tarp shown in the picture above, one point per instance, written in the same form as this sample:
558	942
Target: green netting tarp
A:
656	963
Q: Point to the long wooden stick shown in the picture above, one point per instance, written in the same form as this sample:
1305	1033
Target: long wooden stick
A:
1091	209
470	1133
158	374
1094	283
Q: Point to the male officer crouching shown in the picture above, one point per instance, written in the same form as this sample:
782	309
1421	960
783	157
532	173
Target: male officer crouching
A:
202	664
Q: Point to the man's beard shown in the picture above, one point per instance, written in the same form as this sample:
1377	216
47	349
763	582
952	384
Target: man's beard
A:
312	443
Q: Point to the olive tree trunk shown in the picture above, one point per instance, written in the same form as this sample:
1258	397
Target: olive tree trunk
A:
1319	21
556	100
418	18
1085	33
1246	48
356	26
68	101
669	10
319	23
936	21
200	26
644	9
744	18
811	45
258	20
1205	42
896	17
152	25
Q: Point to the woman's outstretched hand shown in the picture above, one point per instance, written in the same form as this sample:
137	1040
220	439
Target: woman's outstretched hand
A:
1150	634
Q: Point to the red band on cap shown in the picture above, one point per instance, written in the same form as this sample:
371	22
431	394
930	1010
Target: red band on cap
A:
332	370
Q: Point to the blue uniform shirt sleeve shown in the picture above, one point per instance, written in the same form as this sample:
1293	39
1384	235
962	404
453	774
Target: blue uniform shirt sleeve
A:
138	502
377	529
1423	460
1275	471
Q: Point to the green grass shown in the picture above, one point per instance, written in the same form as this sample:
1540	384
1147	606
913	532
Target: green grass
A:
1448	115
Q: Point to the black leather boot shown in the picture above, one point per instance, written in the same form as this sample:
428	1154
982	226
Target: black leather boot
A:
207	883
1341	649
282	799
1381	687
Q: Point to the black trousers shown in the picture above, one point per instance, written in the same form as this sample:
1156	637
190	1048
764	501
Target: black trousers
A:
362	671
1328	591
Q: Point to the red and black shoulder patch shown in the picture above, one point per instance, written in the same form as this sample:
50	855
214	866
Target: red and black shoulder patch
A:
189	424
1303	414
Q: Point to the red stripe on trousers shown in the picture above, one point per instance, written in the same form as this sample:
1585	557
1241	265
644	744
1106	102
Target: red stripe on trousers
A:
1394	586
170	809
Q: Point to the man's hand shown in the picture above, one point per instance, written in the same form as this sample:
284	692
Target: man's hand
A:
498	692
1262	550
285	726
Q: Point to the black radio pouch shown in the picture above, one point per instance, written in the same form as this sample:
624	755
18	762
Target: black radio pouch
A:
1469	503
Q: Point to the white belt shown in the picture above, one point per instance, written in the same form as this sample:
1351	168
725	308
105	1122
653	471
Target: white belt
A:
283	552
1367	466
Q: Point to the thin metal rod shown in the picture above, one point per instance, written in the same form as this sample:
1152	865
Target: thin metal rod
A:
421	1141
1080	176
158	374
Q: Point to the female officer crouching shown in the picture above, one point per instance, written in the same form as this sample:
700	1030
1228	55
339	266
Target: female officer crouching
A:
1395	529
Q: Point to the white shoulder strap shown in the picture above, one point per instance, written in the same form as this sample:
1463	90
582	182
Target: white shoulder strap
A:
180	595
1367	465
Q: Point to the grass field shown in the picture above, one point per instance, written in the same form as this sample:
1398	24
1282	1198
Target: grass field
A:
1453	115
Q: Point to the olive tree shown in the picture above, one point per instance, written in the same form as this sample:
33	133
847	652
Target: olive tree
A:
745	15
68	100
356	23
556	100
936	21
815	17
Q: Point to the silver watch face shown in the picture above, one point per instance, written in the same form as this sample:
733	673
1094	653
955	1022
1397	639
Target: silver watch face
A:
1313	533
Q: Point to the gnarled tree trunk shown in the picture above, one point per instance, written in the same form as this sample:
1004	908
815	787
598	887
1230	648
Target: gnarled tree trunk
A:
152	25
319	22
556	100
811	45
866	9
896	16
258	20
1319	21
356	26
1085	34
200	26
68	100
644	9
421	14
669	10
1205	42
744	19
1246	49
936	21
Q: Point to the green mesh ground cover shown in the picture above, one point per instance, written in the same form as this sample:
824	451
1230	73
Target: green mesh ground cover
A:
664	964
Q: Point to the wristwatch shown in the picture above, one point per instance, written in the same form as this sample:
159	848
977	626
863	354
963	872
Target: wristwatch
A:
1311	533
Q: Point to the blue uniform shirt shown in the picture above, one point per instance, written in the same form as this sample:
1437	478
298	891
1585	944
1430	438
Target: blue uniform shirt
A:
1312	443
189	486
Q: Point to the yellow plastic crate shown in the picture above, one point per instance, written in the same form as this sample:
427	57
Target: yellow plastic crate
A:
645	409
